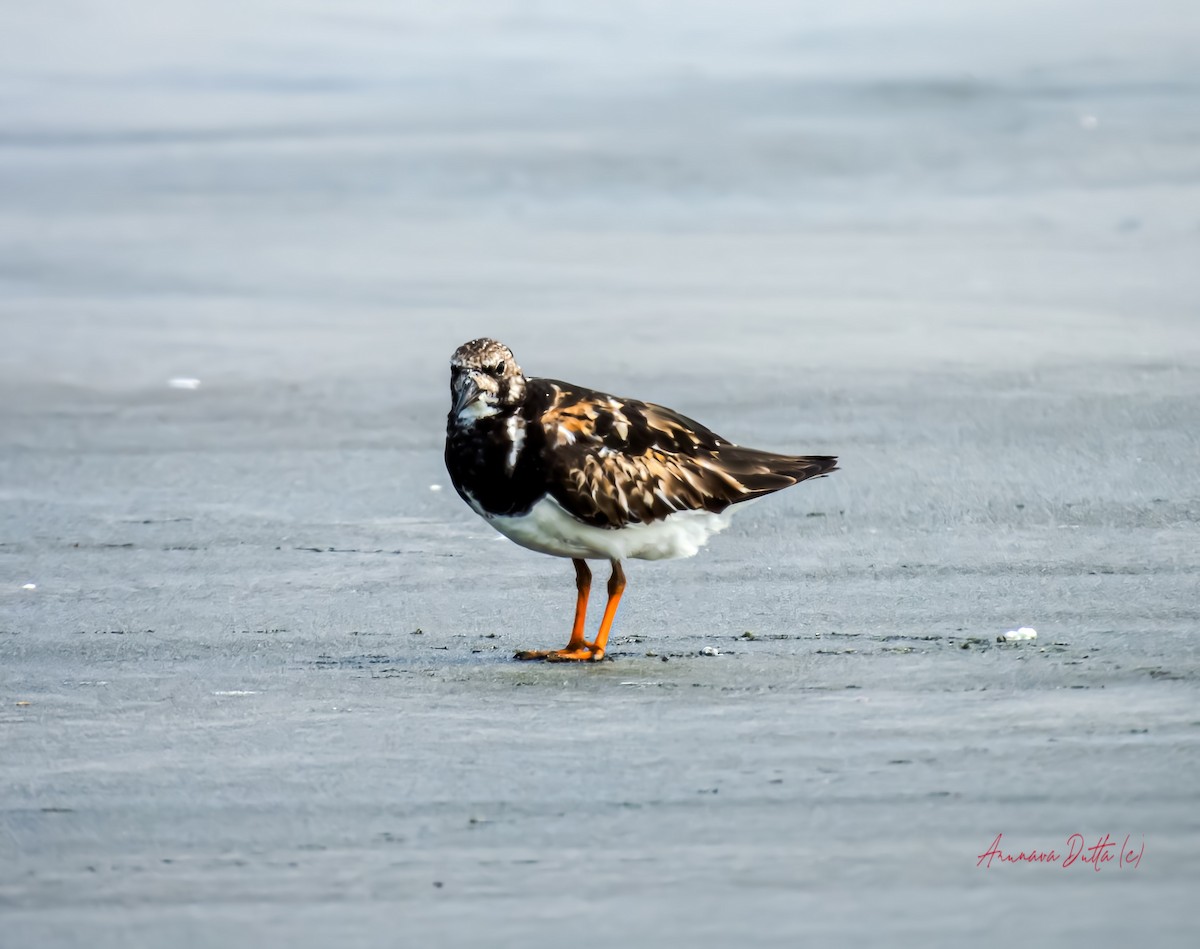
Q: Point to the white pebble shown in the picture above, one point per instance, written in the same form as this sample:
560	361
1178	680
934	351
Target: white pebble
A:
183	382
29	586
710	651
1024	634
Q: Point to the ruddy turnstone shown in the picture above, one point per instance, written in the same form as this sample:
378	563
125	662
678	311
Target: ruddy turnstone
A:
576	473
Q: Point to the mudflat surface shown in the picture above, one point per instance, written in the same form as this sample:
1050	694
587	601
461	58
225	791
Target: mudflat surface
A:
260	691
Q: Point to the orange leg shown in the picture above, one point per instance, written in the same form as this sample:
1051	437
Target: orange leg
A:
616	586
577	648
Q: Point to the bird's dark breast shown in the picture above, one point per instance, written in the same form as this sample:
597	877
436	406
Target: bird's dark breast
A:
483	464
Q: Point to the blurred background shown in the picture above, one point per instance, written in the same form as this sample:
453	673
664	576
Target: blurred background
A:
287	190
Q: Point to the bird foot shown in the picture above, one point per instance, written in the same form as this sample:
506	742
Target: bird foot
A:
588	652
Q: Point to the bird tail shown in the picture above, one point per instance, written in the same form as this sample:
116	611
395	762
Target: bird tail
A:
804	467
761	472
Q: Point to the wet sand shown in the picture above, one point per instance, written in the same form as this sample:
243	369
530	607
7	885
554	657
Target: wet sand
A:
261	691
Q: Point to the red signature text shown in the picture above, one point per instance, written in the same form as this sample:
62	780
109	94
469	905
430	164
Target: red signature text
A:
1102	853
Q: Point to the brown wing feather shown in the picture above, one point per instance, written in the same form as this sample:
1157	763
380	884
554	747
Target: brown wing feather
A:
617	461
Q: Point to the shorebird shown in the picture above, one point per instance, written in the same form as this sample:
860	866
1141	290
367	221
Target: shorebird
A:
576	473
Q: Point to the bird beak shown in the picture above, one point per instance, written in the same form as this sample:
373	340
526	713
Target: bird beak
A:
466	392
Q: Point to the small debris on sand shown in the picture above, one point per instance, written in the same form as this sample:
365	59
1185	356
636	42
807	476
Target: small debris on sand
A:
1024	634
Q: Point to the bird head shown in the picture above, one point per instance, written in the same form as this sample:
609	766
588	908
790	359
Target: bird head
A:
484	380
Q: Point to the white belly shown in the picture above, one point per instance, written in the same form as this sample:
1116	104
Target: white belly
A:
549	529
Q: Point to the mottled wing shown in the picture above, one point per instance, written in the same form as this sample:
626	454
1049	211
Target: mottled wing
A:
617	461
